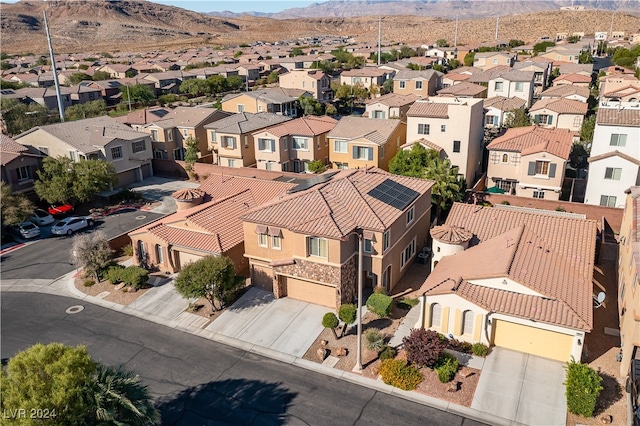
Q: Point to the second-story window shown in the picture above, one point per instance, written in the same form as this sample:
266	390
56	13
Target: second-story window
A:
263	240
456	146
138	146
299	143
368	246
612	173
519	86
419	85
386	241
339	146
423	129
402	84
497	86
154	135
170	135
362	153
618	140
411	214
116	152
268	145
228	142
213	137
317	247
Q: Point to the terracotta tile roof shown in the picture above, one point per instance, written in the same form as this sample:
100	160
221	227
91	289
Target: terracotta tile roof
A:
457	77
450	234
566	90
504	104
426	143
245	122
186	238
528	140
337	207
394	99
407	74
574	78
623	91
372	129
188	194
304	126
551	255
222	186
614	153
364	72
464	88
8	145
429	110
618	117
561	106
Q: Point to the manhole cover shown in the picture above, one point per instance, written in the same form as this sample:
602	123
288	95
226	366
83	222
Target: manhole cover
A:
141	217
75	309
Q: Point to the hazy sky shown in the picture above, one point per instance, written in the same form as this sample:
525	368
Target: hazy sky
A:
267	6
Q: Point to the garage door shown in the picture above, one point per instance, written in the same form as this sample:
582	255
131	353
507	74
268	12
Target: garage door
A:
310	292
186	258
261	276
127	178
535	341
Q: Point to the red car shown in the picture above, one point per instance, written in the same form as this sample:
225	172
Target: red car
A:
60	210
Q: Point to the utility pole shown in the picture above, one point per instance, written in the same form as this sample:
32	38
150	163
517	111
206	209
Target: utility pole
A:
379	36
497	26
53	67
611	27
455	36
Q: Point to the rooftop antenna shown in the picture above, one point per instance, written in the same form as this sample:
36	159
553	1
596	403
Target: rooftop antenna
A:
379	36
53	66
497	25
455	36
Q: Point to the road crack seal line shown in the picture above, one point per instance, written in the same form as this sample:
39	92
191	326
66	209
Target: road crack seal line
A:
364	407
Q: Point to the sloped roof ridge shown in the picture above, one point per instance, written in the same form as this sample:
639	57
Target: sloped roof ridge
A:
365	202
218	201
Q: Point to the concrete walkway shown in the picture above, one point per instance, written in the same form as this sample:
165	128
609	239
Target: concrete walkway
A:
523	388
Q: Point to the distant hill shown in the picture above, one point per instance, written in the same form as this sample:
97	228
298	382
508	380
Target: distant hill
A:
465	9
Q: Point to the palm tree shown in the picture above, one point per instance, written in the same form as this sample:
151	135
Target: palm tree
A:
120	399
448	187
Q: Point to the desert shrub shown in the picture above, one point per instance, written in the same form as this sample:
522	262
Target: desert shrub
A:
398	373
89	283
583	386
407	303
423	347
125	194
330	320
379	290
374	340
379	304
134	276
505	202
446	368
467	348
113	273
127	250
347	313
480	349
387	352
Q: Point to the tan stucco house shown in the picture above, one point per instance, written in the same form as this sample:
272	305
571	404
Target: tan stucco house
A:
273	100
420	83
313	81
559	113
391	105
19	164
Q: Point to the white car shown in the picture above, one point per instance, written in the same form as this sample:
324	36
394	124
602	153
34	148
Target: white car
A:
27	230
69	225
41	218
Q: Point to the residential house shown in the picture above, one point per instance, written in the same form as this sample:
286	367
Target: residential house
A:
114	91
367	77
19	164
274	100
447	53
569	68
519	84
455	125
568	91
305	245
118	71
559	113
291	145
231	138
212	228
541	72
452	78
512	277
614	161
563	53
426	144
498	109
464	90
391	105
529	161
34	80
170	132
572	79
249	73
81	94
620	87
628	295
359	142
46	97
313	81
420	83
488	60
102	138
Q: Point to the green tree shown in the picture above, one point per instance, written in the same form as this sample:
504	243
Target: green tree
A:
42	60
296	51
237	54
454	63
348	314
19	117
573	39
310	106
191	153
626	57
515	43
439	67
86	110
211	277
578	156
387	87
316	166
330	321
118	398
15	208
586	131
585	58
234	82
4	65
101	75
468	59
517	118
442	43
412	162
542	46
195	87
138	93
331	109
77	77
325	66
52	376
217	84
407	52
448	187
274	77
61	180
91	252
583	386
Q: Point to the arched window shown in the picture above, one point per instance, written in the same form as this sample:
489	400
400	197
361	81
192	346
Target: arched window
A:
505	158
467	322
436	315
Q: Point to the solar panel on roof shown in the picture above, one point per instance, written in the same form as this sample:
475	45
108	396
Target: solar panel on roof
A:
394	194
312	182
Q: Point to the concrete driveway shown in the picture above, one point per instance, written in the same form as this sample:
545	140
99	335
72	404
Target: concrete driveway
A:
285	325
523	388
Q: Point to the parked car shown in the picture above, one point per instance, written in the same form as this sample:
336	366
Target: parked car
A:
71	224
60	210
26	230
41	218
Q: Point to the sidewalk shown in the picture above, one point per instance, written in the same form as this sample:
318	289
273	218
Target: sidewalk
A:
172	314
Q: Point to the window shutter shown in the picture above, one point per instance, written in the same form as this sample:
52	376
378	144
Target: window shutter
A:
552	170
549	119
273	145
355	152
370	153
532	168
536	118
495	120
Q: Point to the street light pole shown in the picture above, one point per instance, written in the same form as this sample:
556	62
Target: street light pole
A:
358	367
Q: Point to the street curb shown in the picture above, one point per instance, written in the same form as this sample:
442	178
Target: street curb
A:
11	248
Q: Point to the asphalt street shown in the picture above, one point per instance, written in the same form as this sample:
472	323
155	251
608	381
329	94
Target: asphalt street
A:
50	258
199	382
